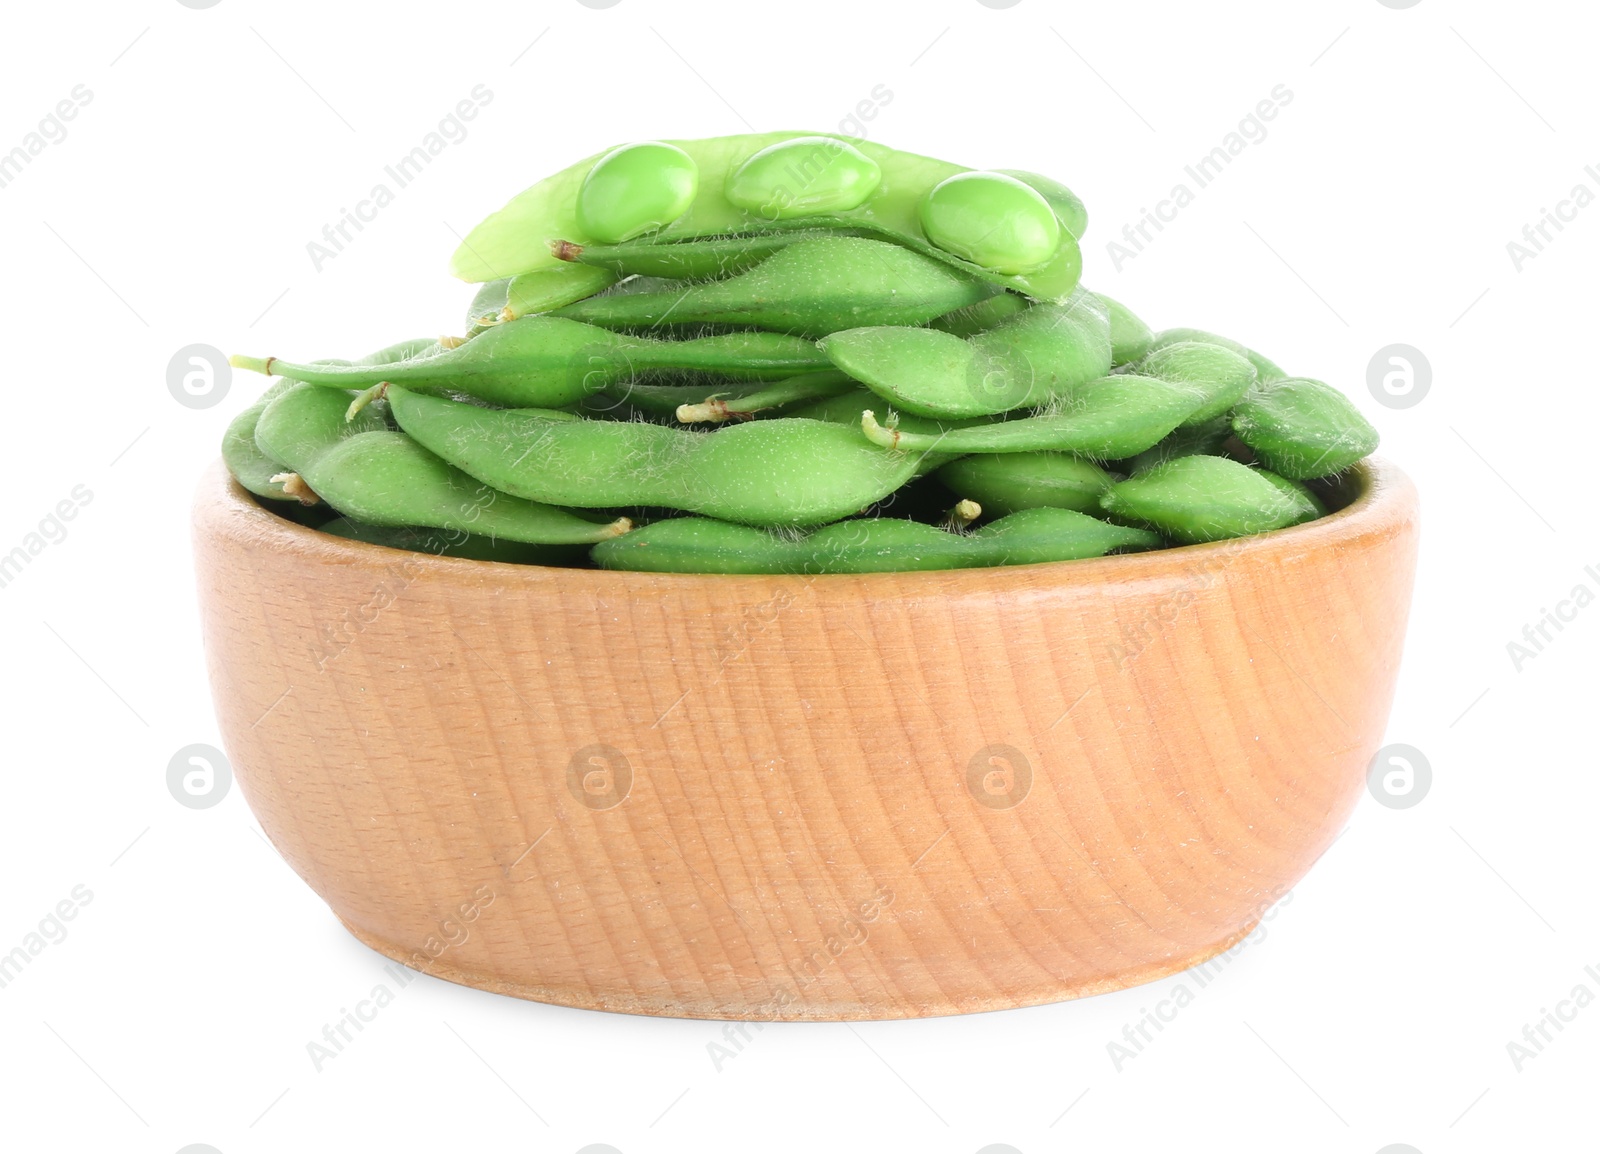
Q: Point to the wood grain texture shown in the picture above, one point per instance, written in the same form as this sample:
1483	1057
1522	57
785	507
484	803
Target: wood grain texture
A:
826	817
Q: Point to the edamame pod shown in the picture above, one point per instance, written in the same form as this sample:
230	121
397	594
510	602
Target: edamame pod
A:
1108	419
1300	428
1029	360
1221	375
382	477
782	471
1265	369
733	405
867	545
551	362
252	468
516	238
1208	438
540	291
811	288
974	319
1198	499
1131	338
1008	482
445	543
710	259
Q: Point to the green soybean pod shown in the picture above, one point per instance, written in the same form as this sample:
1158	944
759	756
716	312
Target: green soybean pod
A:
1069	209
740	404
781	471
535	292
1131	338
371	473
803	176
1107	419
1300	428
995	221
711	259
1209	438
1198	499
811	288
1265	369
1008	482
980	317
636	189
1038	355
244	459
444	543
552	362
1220	375
868	545
516	238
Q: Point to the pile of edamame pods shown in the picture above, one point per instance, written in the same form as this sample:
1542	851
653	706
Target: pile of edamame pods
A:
785	352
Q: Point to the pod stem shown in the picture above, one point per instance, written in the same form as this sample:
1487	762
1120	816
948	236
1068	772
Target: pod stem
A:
294	485
617	528
262	365
965	512
876	433
565	250
364	398
713	409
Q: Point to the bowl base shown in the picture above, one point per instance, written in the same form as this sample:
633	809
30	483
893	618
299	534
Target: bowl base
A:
624	1002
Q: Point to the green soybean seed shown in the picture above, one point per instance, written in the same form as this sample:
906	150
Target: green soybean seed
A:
1208	438
974	319
516	238
371	473
1029	360
252	468
775	472
738	405
803	176
552	362
1300	428
1199	499
711	259
636	189
1008	482
1220	375
1069	209
811	288
1107	419
867	545
1131	339
994	221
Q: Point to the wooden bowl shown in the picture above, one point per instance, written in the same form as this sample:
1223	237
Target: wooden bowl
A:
786	797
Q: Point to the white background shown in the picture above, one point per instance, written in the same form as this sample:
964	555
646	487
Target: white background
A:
217	143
